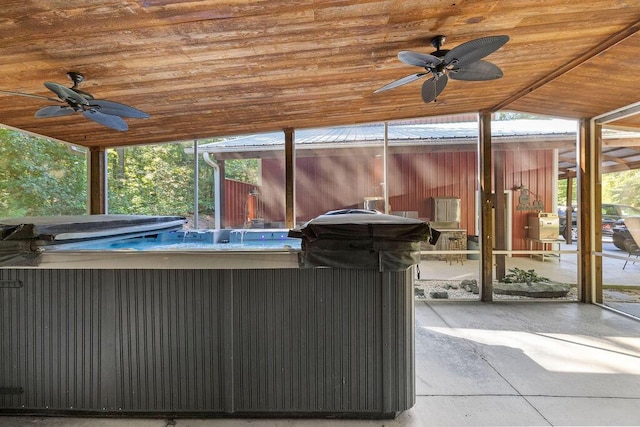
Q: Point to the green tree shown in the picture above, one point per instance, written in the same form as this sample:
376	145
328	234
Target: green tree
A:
40	177
150	180
244	170
622	187
158	180
561	196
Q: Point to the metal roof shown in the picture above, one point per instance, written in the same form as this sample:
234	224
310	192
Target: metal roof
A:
398	134
621	149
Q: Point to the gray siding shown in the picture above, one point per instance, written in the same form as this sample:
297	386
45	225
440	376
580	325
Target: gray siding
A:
320	341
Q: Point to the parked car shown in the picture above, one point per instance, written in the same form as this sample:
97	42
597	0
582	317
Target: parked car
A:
562	221
620	234
612	216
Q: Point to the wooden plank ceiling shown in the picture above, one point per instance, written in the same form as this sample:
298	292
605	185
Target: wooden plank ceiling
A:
218	68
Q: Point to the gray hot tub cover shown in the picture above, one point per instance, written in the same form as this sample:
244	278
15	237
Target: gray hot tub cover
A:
23	239
362	239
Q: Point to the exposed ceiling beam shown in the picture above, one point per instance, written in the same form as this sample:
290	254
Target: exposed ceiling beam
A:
618	160
621	142
621	113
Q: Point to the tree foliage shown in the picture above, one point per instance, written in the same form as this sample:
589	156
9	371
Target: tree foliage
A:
244	170
43	177
617	187
622	187
40	177
150	180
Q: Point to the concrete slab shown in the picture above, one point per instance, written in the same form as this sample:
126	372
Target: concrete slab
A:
552	349
477	411
630	308
446	365
79	422
565	411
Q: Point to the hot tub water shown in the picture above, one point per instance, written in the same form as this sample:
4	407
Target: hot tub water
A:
214	240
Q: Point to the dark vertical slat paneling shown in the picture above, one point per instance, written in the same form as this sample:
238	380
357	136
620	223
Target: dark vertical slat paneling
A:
8	341
166	321
328	334
118	341
107	364
51	339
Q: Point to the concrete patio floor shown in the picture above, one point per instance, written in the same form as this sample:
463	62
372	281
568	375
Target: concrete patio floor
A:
479	364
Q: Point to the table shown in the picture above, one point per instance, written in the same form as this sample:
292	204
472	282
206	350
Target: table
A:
547	245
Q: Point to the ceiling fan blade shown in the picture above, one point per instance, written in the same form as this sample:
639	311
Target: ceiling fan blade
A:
117	109
66	94
403	81
53	111
113	122
479	70
28	95
433	87
473	50
419	59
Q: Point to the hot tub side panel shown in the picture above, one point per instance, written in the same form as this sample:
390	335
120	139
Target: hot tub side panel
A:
323	341
112	341
263	342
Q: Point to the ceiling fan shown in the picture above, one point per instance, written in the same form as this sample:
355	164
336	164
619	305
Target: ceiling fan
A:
463	62
107	113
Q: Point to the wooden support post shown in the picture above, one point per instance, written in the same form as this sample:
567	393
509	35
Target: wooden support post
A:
97	181
499	210
290	181
589	218
486	219
596	173
569	211
221	166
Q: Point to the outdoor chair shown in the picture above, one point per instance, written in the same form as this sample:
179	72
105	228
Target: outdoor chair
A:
631	245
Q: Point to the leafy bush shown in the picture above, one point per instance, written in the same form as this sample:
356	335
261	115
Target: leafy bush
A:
518	275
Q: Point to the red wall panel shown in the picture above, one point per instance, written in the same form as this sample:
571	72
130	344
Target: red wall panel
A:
326	183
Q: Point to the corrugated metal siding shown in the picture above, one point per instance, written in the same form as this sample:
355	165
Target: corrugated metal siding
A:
235	203
413	178
534	169
323	183
326	183
212	341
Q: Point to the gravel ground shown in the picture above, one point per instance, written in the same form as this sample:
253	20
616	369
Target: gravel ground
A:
424	290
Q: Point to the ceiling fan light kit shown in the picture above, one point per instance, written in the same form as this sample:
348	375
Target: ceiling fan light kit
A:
102	111
463	62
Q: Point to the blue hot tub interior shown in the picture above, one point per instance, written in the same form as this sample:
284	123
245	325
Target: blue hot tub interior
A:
242	239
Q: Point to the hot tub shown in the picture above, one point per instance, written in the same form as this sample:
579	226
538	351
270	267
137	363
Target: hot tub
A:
192	249
211	331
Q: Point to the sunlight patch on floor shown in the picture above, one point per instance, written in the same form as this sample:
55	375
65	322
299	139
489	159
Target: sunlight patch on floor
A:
561	352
